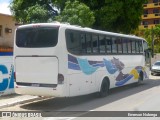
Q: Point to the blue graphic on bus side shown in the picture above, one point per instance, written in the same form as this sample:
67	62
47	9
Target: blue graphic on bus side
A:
112	66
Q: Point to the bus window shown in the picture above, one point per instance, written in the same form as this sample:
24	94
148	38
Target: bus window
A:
119	43
140	47
73	42
114	45
137	47
88	43
133	46
109	44
37	37
95	44
83	44
125	47
129	46
147	54
102	44
145	45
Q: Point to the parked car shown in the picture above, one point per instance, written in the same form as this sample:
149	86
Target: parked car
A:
155	68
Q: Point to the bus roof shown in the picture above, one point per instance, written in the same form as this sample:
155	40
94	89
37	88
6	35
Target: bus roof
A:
76	27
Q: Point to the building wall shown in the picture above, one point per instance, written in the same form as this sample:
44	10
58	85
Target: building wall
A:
6	75
151	15
7	28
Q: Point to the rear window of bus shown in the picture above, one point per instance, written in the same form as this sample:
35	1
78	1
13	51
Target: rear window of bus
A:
37	37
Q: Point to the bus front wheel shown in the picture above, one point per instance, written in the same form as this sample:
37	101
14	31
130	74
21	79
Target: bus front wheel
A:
140	79
104	90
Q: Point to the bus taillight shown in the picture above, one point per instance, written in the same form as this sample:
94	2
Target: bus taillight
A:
60	79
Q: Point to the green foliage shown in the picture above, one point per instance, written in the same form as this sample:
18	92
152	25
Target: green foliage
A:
116	15
27	11
156	36
77	13
94	4
148	36
31	11
37	13
60	4
122	16
156	32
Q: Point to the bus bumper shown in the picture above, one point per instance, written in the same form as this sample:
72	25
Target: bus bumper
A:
40	91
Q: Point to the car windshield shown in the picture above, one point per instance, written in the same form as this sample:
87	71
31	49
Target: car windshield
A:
157	64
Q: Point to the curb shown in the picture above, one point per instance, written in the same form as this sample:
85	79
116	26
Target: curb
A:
21	102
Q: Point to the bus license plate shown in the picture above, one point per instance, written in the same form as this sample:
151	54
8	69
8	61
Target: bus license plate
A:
35	85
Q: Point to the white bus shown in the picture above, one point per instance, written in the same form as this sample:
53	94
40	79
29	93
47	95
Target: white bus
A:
61	60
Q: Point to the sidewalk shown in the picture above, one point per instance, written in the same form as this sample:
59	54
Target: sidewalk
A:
14	99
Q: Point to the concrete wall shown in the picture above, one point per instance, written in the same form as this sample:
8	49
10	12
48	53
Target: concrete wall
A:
7	22
6	75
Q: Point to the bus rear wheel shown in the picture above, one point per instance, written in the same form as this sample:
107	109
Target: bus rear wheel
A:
104	91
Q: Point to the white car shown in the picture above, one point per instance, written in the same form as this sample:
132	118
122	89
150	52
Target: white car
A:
155	68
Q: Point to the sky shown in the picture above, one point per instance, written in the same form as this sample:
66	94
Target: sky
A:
4	6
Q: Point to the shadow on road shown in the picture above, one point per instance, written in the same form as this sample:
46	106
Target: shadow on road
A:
56	104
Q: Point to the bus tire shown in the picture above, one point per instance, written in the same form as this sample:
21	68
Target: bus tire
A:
104	90
140	79
152	73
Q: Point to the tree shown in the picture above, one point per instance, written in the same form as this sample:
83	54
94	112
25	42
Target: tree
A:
111	15
32	11
27	11
147	34
60	4
77	13
116	15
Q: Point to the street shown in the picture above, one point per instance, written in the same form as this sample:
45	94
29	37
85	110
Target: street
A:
145	97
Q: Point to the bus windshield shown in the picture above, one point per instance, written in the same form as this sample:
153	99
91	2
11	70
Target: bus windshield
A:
37	37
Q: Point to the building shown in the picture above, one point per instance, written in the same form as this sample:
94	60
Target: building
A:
7	28
151	14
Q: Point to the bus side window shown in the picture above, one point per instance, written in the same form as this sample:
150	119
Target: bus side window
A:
140	47
95	44
146	51
108	44
102	44
125	47
88	43
145	45
137	46
114	45
129	46
83	43
119	44
133	46
73	42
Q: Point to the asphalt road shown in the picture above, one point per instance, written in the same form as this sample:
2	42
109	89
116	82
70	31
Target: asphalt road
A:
145	97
